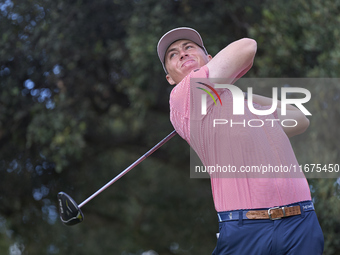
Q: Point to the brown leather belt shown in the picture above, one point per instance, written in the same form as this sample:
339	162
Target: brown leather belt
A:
273	213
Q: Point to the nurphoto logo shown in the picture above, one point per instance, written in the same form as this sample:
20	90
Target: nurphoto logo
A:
238	99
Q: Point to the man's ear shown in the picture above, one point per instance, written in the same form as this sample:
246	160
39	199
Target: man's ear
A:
209	58
170	80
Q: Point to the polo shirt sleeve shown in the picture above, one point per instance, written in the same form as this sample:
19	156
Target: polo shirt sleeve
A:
182	98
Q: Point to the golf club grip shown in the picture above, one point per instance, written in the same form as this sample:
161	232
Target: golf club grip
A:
148	153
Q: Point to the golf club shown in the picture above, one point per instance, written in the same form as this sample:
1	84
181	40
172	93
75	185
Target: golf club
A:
71	214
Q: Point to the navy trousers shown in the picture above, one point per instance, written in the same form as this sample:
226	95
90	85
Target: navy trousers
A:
295	235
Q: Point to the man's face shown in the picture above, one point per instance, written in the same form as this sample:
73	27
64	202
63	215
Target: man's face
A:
181	58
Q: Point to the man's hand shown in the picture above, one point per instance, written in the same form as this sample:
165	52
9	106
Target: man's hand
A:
291	113
299	117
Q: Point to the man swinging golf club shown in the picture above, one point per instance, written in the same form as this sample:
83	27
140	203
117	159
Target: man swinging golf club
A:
256	215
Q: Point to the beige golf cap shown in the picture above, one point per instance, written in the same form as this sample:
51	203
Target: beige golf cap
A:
181	33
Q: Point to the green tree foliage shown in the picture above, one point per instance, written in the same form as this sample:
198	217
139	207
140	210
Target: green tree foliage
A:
83	95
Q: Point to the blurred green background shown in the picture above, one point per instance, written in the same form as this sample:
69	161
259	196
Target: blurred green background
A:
83	95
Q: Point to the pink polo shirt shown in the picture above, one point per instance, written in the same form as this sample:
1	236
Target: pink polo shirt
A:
237	146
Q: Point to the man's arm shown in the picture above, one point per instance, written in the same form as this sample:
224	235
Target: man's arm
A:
291	113
233	61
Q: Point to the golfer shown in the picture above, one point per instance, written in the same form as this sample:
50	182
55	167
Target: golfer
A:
256	215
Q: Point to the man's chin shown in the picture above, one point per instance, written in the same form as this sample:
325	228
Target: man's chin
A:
188	69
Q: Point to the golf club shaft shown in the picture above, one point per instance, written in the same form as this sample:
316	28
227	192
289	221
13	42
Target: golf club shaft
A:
158	145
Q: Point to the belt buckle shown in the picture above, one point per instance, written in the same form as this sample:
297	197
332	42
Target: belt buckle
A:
278	207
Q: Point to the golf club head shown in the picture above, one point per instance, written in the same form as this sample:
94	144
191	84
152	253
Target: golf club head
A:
69	211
